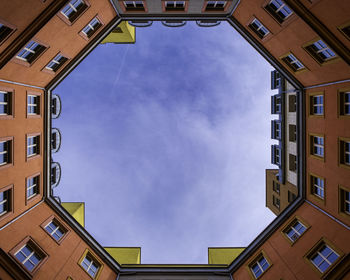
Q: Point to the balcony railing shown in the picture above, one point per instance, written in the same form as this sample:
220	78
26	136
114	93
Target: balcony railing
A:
174	23
141	23
56	106
207	23
55	176
55	140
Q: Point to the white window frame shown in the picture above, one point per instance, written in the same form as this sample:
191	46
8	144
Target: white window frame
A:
324	258
296	62
55	61
320	147
6	202
4	103
175	4
55	229
346	202
27	258
89	265
91	26
5	151
296	233
216	3
259	265
126	3
260	26
34	145
345	143
71	7
326	51
34	185
35	105
346	104
281	7
317	186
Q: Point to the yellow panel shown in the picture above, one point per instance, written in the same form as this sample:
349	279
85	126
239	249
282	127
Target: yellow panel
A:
77	210
127	34
125	255
223	255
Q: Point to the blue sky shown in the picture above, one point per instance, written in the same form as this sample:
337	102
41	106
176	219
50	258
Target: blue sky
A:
167	142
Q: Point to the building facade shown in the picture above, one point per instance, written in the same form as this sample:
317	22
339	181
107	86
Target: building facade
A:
307	42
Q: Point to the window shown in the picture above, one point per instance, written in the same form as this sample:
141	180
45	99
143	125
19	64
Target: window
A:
90	264
33	184
134	5
291	196
317	186
293	63
29	255
344	102
292	133
323	257
33	104
174	5
30	52
320	51
74	9
5	201
276	79
56	63
275	155
259	266
316	104
55	229
92	27
5	32
344	202
5	151
276	132
258	28
215	6
33	145
279	10
292	103
5	103
294	230
276	201
344	152
292	163
276	104
345	29
276	187
317	146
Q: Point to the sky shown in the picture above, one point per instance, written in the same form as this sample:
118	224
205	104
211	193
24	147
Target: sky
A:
167	141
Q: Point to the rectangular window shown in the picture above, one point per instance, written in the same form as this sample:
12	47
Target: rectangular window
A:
90	265
344	102
294	230
292	133
92	27
293	63
33	105
5	201
258	28
33	145
292	103
316	104
259	266
344	152
317	146
55	229
317	186
276	186
56	63
276	132
134	5
279	10
30	52
291	196
276	202
275	155
33	186
215	5
276	104
344	201
5	103
276	79
73	10
5	152
323	257
174	5
292	163
5	31
320	51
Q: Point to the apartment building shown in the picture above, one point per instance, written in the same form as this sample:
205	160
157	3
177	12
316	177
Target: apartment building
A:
307	42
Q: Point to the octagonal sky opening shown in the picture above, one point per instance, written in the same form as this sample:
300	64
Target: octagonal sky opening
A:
167	142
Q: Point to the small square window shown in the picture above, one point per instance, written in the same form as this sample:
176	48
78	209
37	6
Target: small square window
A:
292	133
55	229
74	9
33	104
5	32
323	257
344	152
292	163
6	104
320	51
33	186
292	103
5	151
92	27
344	203
317	186
33	145
29	255
215	5
293	63
344	102
134	5
276	202
175	5
259	266
317	146
294	230
258	28
276	187
56	63
279	10
6	201
90	264
31	52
